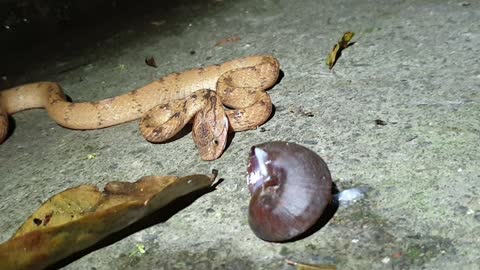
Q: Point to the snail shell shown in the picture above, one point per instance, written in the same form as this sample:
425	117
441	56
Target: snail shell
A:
290	188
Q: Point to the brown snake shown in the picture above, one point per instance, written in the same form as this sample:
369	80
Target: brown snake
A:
166	105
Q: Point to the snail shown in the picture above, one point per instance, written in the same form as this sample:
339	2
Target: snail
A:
290	188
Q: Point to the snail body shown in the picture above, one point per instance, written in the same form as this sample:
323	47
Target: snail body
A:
290	188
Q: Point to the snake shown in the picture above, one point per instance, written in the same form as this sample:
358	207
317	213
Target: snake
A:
216	100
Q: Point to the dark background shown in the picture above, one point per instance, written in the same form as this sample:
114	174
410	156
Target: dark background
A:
33	30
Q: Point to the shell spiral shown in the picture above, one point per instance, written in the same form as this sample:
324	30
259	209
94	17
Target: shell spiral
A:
290	187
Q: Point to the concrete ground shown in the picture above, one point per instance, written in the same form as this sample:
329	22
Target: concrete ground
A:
398	117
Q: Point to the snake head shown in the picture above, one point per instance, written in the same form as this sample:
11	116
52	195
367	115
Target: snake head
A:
210	129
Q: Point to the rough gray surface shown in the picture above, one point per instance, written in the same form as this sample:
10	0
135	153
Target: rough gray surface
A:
415	66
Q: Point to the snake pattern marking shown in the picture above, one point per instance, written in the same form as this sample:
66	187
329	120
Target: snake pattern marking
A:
165	106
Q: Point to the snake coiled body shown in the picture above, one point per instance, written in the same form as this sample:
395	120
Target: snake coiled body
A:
165	105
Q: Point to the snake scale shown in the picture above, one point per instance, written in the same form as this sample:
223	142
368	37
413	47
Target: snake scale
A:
165	106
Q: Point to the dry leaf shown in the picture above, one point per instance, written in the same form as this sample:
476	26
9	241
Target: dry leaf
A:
150	61
304	266
80	217
337	49
224	41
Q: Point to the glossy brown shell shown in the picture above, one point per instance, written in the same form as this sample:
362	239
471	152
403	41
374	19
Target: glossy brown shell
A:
290	186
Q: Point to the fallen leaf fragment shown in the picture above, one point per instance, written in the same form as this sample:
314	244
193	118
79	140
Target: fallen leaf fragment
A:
139	250
150	61
304	266
397	255
91	156
79	217
227	40
336	52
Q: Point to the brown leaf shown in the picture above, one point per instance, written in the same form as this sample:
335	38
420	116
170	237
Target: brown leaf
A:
224	41
79	217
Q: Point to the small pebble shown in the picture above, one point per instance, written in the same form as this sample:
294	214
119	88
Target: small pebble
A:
349	196
380	122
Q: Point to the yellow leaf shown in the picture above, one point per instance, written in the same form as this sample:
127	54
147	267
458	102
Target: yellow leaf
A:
139	249
80	217
342	44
